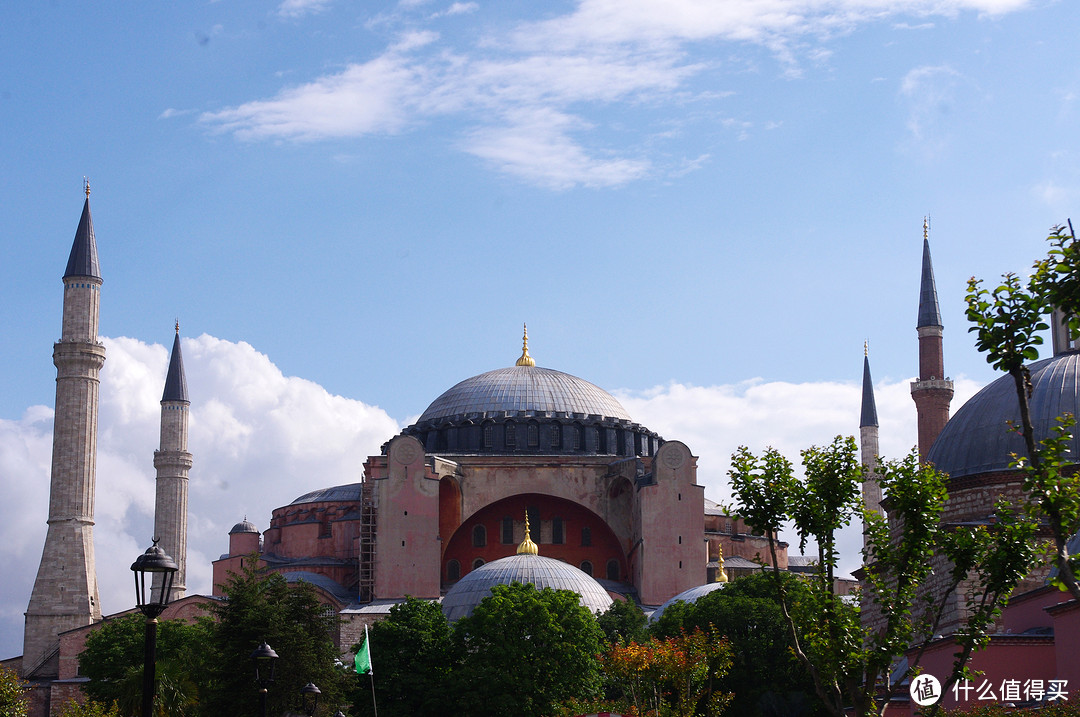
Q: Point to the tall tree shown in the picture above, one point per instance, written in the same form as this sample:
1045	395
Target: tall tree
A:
413	658
850	664
1006	321
525	650
12	701
262	607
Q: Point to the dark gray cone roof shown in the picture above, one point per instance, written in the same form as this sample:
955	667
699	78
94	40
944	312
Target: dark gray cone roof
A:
83	260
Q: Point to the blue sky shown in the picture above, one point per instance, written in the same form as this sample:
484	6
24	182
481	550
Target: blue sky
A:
705	207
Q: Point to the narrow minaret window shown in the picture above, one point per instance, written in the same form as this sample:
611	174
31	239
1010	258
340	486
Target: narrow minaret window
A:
932	391
65	594
173	462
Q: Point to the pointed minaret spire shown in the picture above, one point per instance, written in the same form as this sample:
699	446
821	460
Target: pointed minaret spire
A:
173	462
525	359
932	392
868	441
65	594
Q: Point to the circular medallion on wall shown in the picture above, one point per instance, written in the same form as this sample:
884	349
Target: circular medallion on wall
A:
673	455
405	451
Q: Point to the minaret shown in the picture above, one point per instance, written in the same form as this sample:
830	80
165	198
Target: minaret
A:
173	462
65	594
868	440
931	391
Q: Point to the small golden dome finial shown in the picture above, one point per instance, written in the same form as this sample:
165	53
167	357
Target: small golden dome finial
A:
527	547
86	186
721	574
526	359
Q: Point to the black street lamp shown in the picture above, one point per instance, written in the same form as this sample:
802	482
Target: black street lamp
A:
310	694
154	561
264	657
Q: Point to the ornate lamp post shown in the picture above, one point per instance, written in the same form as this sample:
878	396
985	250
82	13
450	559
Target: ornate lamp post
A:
310	694
264	657
153	561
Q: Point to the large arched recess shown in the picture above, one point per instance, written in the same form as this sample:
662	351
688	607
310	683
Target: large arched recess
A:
585	535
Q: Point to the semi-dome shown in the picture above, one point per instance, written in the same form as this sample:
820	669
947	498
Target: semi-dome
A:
978	440
524	388
691	595
337	494
523	568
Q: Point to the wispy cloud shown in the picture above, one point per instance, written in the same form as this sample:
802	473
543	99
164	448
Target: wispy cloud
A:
602	53
300	8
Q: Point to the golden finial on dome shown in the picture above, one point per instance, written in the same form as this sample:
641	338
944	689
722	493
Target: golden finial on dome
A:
526	359
527	547
721	574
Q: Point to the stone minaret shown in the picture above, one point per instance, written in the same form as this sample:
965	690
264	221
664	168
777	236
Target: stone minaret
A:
65	594
173	462
868	440
931	391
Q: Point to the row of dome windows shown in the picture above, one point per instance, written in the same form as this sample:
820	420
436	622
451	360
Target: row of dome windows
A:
506	530
554	436
453	569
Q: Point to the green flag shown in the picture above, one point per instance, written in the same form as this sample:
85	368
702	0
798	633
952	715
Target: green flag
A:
363	656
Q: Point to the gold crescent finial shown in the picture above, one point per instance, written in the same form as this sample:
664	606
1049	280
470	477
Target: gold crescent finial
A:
86	186
525	359
865	348
527	547
721	574
178	325
926	227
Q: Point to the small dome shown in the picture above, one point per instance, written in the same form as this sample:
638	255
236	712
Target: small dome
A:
691	596
524	388
244	526
978	440
522	568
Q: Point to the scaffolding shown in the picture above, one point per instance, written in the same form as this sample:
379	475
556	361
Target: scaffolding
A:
368	519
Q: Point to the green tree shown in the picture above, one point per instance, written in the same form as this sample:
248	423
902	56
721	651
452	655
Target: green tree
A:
413	657
112	659
623	623
525	650
90	708
12	688
1006	321
765	676
262	607
850	664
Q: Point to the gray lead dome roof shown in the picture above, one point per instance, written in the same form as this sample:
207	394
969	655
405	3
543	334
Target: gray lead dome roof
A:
524	388
522	568
978	440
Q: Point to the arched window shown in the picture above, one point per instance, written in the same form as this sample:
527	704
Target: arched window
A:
479	536
511	434
556	435
507	530
586	567
579	437
533	434
586	537
477	563
453	571
489	436
557	530
613	570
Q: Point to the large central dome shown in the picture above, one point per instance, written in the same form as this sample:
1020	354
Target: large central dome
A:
525	409
524	388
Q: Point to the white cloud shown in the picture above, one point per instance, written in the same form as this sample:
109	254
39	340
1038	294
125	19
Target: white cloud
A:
931	95
259	440
603	52
300	8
